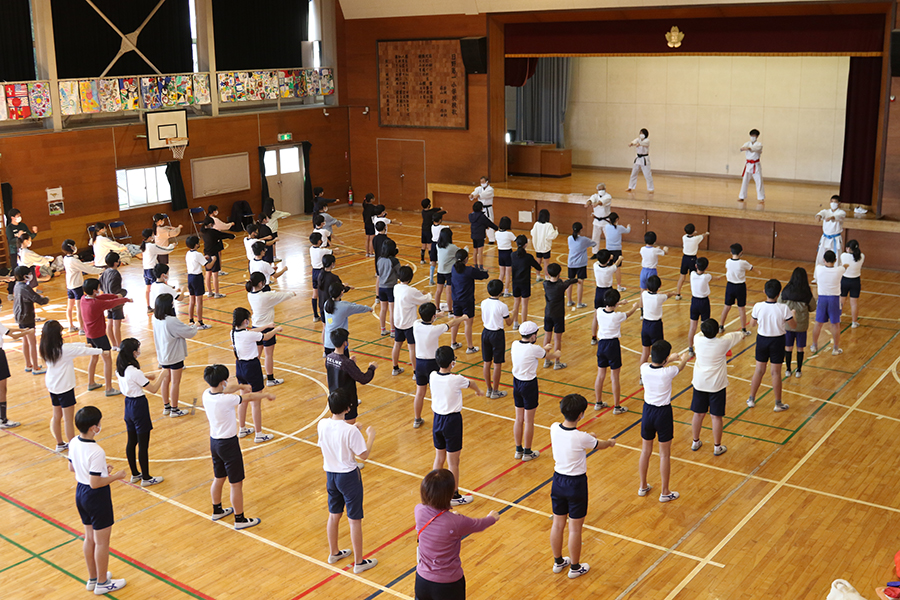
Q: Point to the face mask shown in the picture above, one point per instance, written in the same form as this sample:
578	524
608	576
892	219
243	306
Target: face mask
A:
27	278
834	206
484	185
98	430
753	138
642	137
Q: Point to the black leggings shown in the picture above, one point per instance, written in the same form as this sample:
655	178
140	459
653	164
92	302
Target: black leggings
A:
429	590
142	441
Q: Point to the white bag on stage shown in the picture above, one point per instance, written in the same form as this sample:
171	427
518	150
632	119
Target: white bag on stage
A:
842	590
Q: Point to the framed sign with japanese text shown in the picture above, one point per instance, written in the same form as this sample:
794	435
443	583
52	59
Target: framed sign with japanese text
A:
422	83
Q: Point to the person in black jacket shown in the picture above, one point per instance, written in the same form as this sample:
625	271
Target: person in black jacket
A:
212	247
522	264
343	373
479	224
15	229
368	211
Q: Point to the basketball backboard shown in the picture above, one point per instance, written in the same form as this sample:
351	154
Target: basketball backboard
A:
163	125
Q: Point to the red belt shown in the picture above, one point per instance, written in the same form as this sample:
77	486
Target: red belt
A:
749	162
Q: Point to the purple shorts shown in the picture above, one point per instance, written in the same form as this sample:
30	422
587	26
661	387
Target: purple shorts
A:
828	310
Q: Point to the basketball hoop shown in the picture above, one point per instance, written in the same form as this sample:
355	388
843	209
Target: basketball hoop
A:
177	145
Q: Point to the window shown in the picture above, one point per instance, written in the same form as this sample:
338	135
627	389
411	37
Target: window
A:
142	186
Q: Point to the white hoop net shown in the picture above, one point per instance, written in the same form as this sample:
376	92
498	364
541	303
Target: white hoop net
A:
177	146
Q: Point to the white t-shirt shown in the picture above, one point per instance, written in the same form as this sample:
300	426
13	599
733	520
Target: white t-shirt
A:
315	255
505	240
244	343
853	268
132	382
771	317
570	447
658	383
151	253
266	268
427	338
650	257
446	392
525	357
60	377
493	312
219	409
341	443
263	304
736	270
158	288
87	458
604	275
609	324
691	244
385	220
195	262
711	364
326	236
436	232
700	284
248	246
484	194
828	280
652	304
407	300
75	270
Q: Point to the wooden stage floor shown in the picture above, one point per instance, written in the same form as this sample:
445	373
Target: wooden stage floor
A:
801	497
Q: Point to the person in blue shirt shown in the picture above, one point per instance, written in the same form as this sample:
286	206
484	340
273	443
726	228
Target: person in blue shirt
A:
613	234
578	260
462	290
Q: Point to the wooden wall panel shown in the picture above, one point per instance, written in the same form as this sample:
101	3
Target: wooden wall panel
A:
563	214
497	100
636	219
510	207
669	228
755	236
797	242
879	247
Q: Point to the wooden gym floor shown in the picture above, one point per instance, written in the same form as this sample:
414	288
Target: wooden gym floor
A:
801	498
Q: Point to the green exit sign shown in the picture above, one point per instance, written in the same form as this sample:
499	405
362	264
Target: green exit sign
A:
285	137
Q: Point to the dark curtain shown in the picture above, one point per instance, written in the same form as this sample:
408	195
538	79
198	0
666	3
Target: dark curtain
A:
6	190
541	103
519	70
176	184
85	43
259	35
861	130
16	43
264	182
307	183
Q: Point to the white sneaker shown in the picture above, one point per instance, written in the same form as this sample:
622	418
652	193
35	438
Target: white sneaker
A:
462	499
111	585
9	424
364	565
668	497
247	524
92	583
621	288
720	450
780	407
203	326
135	478
644	491
274	382
342	554
695	445
263	437
798	374
560	567
530	455
751	402
853	325
244	432
472	350
177	412
837	351
575	573
151	481
225	513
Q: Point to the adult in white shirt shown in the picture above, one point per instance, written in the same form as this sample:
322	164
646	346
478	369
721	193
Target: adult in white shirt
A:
484	193
832	219
600	205
407	301
770	318
852	261
641	161
828	307
752	167
710	381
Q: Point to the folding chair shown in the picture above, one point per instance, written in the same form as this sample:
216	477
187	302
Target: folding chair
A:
92	232
119	231
197	217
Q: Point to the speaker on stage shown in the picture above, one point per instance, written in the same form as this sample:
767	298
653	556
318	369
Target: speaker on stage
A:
474	54
895	53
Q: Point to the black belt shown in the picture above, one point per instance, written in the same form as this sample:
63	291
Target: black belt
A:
639	156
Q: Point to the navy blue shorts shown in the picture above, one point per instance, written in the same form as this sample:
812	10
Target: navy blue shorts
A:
75	294
196	287
493	346
464	307
736	292
522	290
116	314
315	278
525	394
541	255
443	279
4	365
798	337
174	366
215	264
616	254
828	309
609	354
386	294
850	286
269	342
688	263
577	273
478	243
424	368
651	331
432	252
345	489
227	459
64	400
149	276
353	412
504	258
600	297
699	309
569	495
95	506
646	274
249	372
447	432
555	325
770	349
101	342
711	402
657	422
404	335
137	415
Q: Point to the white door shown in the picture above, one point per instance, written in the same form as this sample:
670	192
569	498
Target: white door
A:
285	175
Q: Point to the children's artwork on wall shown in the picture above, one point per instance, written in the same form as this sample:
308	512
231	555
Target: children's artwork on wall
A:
17	101
286	84
226	87
302	83
326	82
312	82
254	86
270	85
184	90
69	101
39	99
240	86
201	89
150	93
89	94
3	113
167	90
110	100
128	93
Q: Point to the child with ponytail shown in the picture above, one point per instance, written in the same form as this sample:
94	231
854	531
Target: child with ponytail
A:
244	341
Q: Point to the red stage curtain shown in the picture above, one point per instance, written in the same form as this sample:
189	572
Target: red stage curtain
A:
861	130
519	70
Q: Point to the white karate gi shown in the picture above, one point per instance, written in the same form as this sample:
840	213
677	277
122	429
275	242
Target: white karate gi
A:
602	203
485	195
753	168
641	163
831	234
